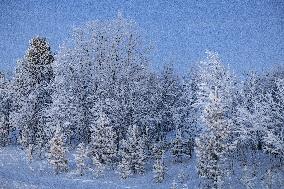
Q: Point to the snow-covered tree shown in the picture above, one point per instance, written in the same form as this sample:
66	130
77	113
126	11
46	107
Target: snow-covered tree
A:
188	114
170	90
259	113
251	112
5	110
103	140
157	151
133	153
159	168
178	147
99	166
212	76
69	107
273	127
124	166
31	89
57	152
137	150
214	145
106	62
215	100
208	165
80	158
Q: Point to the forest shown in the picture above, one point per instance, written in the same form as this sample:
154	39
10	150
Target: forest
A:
98	109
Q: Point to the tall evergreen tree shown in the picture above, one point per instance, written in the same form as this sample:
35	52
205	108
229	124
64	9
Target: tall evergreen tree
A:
31	84
273	120
5	110
215	101
170	90
251	112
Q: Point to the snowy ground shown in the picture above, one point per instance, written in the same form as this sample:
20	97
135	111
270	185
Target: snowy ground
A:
15	172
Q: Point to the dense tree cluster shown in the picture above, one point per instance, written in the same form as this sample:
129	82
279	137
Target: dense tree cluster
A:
100	96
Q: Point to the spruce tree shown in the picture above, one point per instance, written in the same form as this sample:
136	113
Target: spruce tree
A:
213	145
215	100
103	140
80	158
177	147
273	119
99	166
170	90
251	112
159	168
57	153
132	153
136	149
5	110
124	166
33	77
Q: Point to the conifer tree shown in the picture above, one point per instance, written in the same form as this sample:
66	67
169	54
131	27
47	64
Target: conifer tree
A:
169	98
213	145
99	166
80	158
124	166
251	112
159	168
136	149
33	76
132	153
215	101
103	140
57	153
273	119
157	151
5	110
188	116
177	148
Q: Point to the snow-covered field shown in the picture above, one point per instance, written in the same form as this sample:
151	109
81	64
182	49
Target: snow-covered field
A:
16	172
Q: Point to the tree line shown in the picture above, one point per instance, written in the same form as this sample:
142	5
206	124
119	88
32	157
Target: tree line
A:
100	96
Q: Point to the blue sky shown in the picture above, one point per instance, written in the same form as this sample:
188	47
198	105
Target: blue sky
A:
246	34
